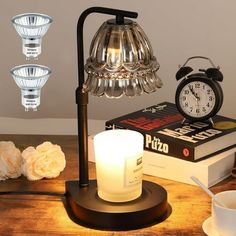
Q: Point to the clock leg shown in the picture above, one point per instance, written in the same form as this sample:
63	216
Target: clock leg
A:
183	121
211	121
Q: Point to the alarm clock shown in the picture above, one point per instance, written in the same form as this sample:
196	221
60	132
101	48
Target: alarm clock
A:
199	96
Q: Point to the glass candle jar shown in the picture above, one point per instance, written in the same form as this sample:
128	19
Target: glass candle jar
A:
119	165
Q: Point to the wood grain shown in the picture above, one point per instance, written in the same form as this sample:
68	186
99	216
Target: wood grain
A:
46	215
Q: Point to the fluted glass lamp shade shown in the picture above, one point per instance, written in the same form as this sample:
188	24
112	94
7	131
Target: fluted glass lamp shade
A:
31	27
121	61
30	79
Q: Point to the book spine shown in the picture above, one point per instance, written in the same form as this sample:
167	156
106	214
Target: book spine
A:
160	144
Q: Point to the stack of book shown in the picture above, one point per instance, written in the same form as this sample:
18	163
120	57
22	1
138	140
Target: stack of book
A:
176	151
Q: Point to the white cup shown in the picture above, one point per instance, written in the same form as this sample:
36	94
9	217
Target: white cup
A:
224	218
119	168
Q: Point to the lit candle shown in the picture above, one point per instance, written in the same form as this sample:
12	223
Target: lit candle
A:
119	168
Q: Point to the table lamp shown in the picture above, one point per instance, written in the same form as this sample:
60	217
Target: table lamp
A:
121	62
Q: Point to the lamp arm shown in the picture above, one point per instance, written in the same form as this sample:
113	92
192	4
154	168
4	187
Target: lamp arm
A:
81	96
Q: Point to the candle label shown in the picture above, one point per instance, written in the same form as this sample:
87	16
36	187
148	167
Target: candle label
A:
133	171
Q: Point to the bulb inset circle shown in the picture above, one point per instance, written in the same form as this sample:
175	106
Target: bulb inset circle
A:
30	79
31	27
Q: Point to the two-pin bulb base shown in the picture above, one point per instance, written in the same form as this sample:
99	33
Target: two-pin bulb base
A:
30	99
31	47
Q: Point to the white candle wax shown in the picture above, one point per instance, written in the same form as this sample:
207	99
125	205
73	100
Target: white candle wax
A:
118	155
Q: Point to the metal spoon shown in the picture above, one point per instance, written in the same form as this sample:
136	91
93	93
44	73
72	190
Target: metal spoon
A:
203	187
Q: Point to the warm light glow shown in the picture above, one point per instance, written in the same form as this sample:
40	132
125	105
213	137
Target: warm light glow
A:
114	56
118	155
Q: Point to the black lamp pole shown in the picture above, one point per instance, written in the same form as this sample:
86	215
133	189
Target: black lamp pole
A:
81	96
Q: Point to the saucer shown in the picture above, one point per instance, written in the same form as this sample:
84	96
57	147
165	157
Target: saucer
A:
209	228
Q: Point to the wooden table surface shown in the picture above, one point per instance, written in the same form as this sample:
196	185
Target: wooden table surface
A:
46	215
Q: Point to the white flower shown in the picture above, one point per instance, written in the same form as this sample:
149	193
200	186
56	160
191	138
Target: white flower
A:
10	160
46	161
30	155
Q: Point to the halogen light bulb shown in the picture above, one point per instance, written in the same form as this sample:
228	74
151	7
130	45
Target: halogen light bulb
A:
30	79
31	27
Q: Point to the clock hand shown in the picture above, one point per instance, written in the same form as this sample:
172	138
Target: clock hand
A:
193	93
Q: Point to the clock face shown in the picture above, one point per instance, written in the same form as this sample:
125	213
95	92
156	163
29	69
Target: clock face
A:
197	99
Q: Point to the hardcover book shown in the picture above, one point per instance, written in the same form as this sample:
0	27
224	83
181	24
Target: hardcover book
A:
209	171
164	132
